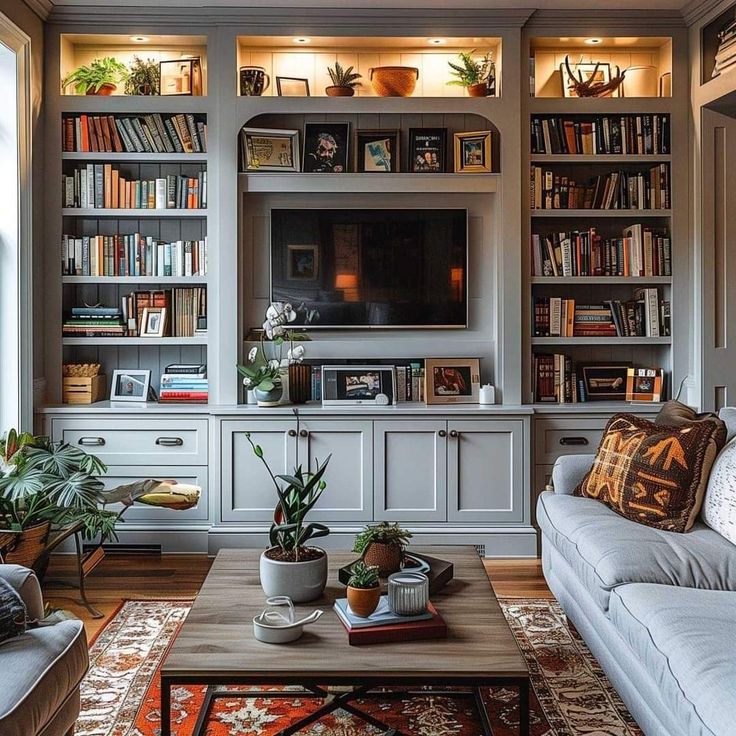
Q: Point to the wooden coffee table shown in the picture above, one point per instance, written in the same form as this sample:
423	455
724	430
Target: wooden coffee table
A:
216	646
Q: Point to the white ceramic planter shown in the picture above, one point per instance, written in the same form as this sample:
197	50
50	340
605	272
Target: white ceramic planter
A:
300	581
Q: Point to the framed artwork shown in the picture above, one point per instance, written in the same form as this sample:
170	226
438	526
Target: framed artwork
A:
427	150
604	381
181	77
473	152
153	322
302	262
292	87
452	380
130	385
326	148
358	384
265	149
377	151
602	74
644	384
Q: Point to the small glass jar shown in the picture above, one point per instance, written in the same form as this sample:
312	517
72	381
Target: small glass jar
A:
408	593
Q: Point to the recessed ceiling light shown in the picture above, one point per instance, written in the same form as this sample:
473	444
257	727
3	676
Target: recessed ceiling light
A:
593	41
301	39
139	39
436	41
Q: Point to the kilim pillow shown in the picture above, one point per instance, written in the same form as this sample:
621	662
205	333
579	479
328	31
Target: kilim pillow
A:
12	612
719	506
653	474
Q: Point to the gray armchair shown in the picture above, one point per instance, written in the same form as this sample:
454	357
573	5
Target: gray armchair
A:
41	670
569	471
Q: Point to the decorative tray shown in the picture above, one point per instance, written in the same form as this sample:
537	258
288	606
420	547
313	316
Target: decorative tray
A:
438	571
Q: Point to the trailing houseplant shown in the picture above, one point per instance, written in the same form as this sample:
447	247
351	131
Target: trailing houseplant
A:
472	73
382	545
100	77
344	81
364	591
144	77
290	566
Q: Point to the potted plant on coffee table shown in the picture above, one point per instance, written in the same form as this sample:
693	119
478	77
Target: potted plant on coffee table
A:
472	73
364	591
382	545
290	566
100	77
344	81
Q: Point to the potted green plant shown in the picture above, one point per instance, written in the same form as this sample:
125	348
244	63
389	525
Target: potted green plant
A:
100	77
382	545
144	77
344	81
472	73
364	591
290	566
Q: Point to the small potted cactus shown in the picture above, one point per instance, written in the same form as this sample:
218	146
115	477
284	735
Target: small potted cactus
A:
364	591
344	81
382	545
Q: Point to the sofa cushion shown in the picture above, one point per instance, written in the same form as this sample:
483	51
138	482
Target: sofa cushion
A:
12	612
719	505
728	416
676	414
686	639
38	671
606	550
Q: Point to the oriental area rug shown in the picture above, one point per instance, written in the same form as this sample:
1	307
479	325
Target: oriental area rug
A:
571	695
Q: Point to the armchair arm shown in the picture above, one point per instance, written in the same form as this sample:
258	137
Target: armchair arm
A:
26	583
569	470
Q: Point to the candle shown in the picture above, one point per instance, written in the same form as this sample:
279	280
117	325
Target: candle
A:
408	593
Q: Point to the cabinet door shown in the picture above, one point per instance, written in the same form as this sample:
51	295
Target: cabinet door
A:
248	493
410	476
485	471
349	476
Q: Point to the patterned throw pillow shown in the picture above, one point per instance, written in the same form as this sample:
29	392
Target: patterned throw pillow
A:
652	474
719	506
12	612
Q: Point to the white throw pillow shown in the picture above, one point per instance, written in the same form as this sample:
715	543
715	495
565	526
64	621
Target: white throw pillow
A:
719	505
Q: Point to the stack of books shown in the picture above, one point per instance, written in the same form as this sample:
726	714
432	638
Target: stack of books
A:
94	322
555	379
184	383
726	54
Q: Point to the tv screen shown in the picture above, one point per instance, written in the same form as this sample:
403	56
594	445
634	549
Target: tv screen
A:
347	268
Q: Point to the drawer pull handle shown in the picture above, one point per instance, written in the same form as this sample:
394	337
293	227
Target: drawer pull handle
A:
303	433
574	441
169	441
96	441
442	433
454	433
292	433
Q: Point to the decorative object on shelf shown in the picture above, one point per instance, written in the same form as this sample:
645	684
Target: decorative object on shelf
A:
427	150
300	383
144	77
382	546
292	87
254	81
726	54
408	593
83	383
665	85
101	77
273	627
590	80
364	590
452	380
290	567
344	81
153	323
265	149
181	77
604	381
326	148
473	152
345	385
644	384
130	385
476	75
394	81
487	394
377	151
641	81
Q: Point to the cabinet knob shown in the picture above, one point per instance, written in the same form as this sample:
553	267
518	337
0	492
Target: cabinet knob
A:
454	433
169	441
574	441
292	433
303	433
96	441
442	433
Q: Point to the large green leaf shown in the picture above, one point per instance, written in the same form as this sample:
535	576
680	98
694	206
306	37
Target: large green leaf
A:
27	482
79	490
59	459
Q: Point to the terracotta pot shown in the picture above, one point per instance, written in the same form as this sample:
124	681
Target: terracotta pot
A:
478	90
386	557
394	81
104	90
336	91
363	601
300	383
27	547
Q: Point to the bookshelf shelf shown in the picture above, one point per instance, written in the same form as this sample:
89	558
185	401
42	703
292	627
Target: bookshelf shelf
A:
598	158
594	214
138	105
120	341
137	213
164	280
573	341
142	157
599	105
592	280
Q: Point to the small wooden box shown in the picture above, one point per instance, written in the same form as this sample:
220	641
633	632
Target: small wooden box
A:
83	390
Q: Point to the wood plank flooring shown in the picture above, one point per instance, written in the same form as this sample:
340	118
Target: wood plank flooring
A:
122	577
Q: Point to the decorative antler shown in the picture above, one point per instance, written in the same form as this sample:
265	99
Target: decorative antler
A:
591	88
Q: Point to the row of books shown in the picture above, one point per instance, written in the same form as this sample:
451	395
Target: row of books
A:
616	190
726	53
102	186
642	251
602	134
184	383
555	379
154	133
132	255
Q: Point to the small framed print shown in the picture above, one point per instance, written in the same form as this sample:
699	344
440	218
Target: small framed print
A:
181	77
452	380
264	149
427	150
604	381
130	385
644	384
302	262
473	152
292	87
153	322
377	151
586	71
326	148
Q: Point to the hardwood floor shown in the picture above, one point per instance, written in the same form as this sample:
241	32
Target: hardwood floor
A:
180	576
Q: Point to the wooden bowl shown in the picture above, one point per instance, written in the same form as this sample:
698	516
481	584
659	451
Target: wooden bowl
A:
394	81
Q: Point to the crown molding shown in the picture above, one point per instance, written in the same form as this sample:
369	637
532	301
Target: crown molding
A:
696	10
596	21
42	8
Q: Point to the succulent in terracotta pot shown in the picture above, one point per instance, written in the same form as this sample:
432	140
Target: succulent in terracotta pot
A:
364	590
382	545
344	81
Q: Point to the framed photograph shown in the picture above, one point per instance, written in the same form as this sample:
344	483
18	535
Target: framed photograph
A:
153	322
130	385
604	381
292	87
602	74
264	149
644	384
473	152
181	77
427	150
452	380
302	262
377	151
358	384
326	148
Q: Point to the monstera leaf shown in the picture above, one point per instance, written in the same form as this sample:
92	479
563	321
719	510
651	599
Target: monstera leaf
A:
63	460
24	484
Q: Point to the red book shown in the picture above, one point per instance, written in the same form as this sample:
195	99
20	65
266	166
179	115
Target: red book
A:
432	628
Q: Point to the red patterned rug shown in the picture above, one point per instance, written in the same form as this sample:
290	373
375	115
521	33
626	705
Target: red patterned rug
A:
120	695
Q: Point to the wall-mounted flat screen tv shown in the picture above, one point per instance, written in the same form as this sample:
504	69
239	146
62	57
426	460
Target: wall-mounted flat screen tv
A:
371	268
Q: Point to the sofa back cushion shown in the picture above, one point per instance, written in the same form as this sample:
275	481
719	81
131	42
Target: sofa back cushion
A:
728	415
719	505
655	475
12	612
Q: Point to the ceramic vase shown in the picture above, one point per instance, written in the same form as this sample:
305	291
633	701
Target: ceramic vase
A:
301	581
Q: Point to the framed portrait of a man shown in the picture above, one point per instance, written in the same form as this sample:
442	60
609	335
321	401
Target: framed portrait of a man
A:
326	148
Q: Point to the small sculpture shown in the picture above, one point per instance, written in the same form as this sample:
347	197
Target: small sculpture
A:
589	87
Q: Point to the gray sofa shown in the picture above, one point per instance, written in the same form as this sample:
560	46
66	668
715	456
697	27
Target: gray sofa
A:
657	609
41	670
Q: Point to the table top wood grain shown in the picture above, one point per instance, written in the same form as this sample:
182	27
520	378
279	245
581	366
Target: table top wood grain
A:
216	642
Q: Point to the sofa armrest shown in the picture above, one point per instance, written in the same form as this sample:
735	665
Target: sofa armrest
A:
569	471
26	583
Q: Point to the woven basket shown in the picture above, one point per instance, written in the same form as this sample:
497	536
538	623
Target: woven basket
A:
394	81
386	557
27	547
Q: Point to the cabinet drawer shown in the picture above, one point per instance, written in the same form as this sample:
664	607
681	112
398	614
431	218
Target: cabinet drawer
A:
177	441
555	437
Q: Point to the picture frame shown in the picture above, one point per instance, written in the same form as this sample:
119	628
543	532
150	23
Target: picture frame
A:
268	149
326	148
604	381
292	87
603	74
302	262
473	152
378	151
181	77
130	385
355	385
153	322
452	380
644	384
427	150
